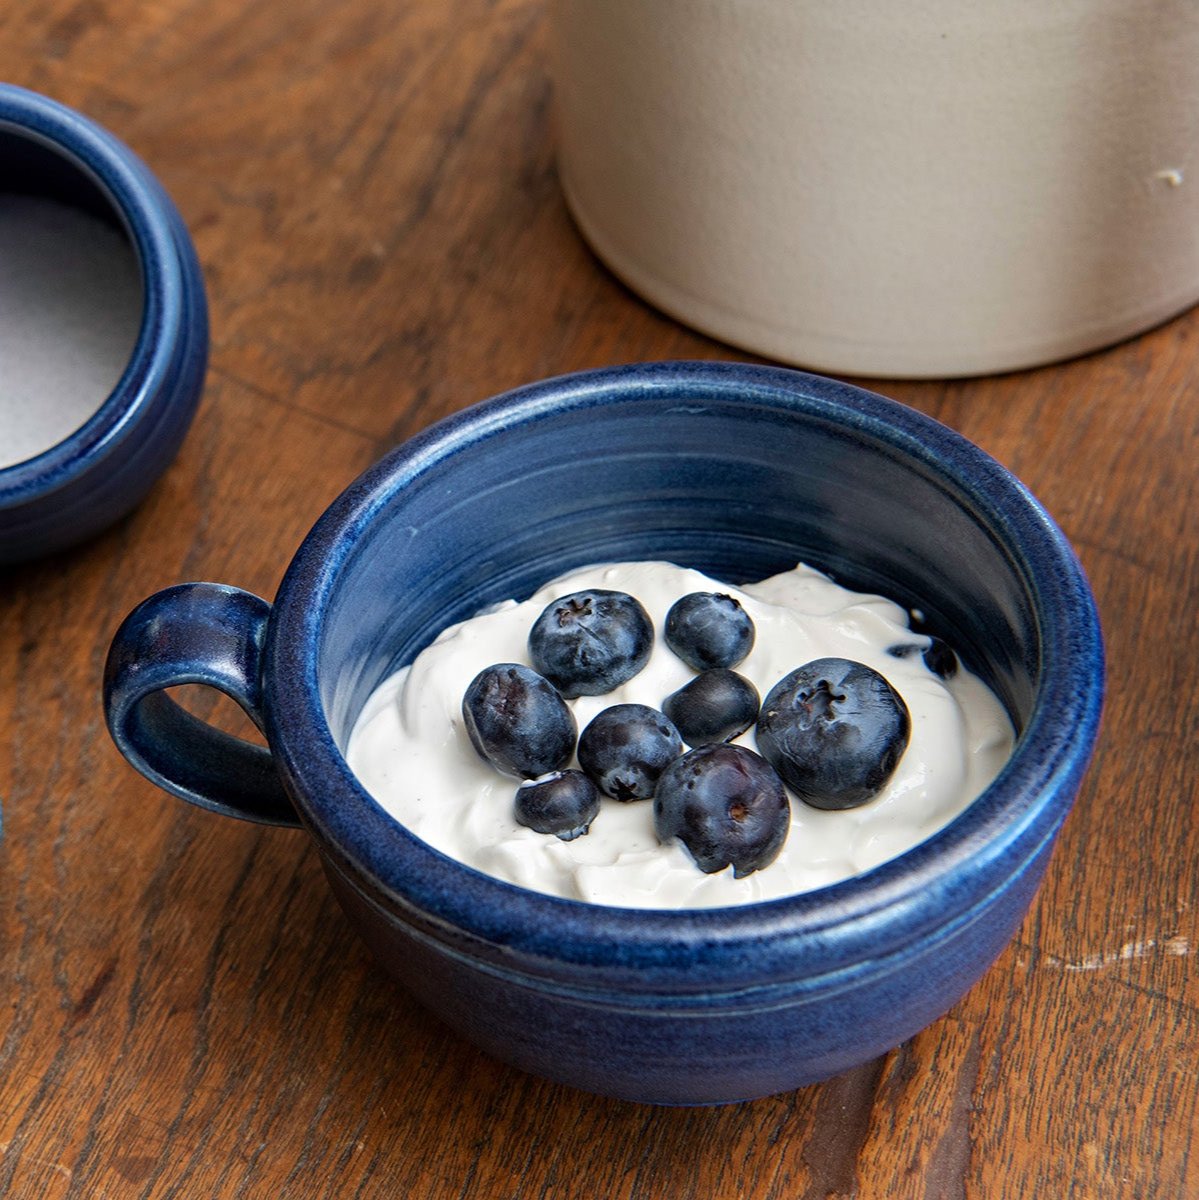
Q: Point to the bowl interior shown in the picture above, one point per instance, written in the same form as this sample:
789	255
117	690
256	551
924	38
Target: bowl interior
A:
40	168
80	312
727	472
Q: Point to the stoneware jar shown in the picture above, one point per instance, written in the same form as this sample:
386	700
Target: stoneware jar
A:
921	189
53	156
740	471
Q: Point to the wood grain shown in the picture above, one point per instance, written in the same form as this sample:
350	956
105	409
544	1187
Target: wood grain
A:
185	1012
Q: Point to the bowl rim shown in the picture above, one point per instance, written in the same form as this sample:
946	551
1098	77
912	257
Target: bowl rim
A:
1025	804
144	211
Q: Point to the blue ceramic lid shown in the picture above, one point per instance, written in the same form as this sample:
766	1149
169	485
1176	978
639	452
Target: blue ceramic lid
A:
76	204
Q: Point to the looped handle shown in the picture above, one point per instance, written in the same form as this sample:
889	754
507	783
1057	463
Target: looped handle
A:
195	633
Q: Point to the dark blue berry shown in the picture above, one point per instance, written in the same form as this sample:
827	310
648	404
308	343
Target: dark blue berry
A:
709	629
626	747
716	706
938	656
564	803
590	642
834	730
518	722
726	805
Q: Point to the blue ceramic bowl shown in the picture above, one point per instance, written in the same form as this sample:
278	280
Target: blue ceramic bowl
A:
98	473
740	471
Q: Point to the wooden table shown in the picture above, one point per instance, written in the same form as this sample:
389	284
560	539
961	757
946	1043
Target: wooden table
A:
185	1012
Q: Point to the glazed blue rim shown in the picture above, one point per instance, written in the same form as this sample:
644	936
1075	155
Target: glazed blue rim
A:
138	201
1034	789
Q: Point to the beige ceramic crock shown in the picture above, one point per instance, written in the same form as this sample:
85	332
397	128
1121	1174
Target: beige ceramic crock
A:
877	187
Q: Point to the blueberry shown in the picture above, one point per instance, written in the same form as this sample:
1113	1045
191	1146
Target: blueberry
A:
938	656
626	747
563	803
709	629
716	706
726	805
518	722
834	730
590	642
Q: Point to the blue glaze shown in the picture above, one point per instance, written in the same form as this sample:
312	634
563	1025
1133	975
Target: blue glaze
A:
740	471
98	473
194	633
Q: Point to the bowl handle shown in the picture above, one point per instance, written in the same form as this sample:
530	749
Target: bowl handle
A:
195	633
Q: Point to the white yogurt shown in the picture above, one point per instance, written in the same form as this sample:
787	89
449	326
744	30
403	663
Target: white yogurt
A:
411	751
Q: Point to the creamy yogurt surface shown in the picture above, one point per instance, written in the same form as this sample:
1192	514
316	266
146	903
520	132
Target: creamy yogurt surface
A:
411	751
